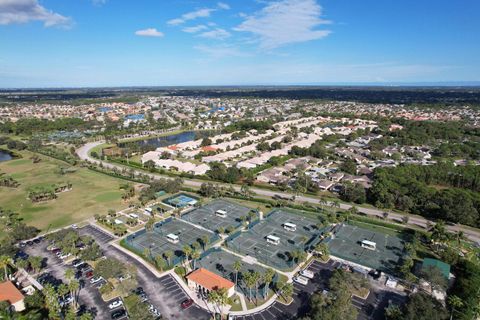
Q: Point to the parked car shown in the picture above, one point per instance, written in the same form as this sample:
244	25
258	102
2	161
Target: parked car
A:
307	274
301	280
78	263
64	256
119	314
89	274
95	280
186	303
115	304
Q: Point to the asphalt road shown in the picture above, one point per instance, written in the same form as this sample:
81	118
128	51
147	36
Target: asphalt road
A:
83	153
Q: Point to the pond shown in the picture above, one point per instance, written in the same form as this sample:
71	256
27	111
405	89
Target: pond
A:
170	139
5	156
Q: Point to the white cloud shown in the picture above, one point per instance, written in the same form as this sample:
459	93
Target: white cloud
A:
99	2
284	22
23	11
201	13
221	51
149	32
195	29
223	6
217	33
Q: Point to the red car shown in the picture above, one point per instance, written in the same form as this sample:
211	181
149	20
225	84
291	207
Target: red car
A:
187	303
89	274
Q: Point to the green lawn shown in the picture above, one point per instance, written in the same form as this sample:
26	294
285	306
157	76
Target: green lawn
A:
91	193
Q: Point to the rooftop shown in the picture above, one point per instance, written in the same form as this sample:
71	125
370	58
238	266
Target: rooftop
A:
209	280
10	293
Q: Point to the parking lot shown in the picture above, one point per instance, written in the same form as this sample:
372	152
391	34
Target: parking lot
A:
89	298
164	293
370	308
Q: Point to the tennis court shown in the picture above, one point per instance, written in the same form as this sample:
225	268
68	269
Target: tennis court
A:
156	240
206	215
221	263
253	243
181	200
346	244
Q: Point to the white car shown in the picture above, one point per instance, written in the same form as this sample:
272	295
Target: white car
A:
307	274
301	280
115	304
95	280
78	263
65	256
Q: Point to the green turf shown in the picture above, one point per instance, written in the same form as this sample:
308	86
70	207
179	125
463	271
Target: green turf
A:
92	192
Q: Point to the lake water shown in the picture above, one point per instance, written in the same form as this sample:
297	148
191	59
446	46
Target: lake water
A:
5	156
171	139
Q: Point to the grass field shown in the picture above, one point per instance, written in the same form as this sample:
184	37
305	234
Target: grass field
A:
91	193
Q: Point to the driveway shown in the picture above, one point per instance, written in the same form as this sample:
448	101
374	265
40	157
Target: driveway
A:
164	293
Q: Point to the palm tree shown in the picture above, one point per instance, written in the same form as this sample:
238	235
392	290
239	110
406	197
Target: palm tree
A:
5	262
237	266
195	255
187	251
222	299
73	286
168	255
335	204
35	263
460	236
287	290
205	241
213	298
149	224
256	277
267	279
323	203
322	249
455	302
249	280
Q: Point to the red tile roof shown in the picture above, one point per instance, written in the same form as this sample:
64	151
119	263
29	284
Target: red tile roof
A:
209	148
209	280
8	292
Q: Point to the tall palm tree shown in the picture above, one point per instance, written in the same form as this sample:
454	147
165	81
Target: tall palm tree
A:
205	241
213	299
187	251
73	286
323	203
237	266
168	255
195	255
256	278
222	299
249	282
335	204
5	262
287	290
267	279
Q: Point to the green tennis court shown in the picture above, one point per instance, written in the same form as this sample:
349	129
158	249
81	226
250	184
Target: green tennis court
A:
346	244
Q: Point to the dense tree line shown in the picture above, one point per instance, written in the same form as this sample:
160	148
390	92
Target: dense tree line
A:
416	133
27	126
440	191
466	288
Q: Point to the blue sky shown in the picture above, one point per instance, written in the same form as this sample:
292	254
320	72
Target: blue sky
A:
65	43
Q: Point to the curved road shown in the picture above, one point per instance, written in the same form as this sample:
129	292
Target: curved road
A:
474	235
